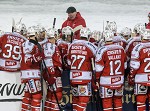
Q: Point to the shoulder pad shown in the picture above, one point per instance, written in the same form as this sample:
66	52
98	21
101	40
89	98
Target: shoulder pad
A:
136	50
92	47
100	52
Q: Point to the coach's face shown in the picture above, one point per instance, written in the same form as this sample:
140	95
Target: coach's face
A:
72	15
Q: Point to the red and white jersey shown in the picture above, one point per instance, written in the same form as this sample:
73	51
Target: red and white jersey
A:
52	59
10	51
110	63
29	68
140	63
131	44
119	40
80	53
63	47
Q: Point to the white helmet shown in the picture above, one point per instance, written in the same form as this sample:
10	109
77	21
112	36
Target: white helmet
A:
67	31
40	28
33	30
20	27
146	34
96	35
126	31
52	32
85	32
108	35
139	28
111	26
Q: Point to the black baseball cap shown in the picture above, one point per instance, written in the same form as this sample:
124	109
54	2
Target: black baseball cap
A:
71	10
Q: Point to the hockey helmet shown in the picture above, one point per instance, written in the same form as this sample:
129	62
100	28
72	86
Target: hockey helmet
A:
32	31
41	28
67	31
146	34
111	26
85	32
52	33
108	35
97	35
126	31
139	28
20	28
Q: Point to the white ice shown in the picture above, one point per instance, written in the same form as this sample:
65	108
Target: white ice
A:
124	12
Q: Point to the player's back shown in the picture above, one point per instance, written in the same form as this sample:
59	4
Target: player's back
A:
111	62
10	44
79	54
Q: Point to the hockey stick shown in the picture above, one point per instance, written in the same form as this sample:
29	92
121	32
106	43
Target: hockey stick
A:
54	22
96	94
13	24
43	63
145	25
20	20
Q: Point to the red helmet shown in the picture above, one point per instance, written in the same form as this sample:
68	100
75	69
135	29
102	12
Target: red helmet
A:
149	14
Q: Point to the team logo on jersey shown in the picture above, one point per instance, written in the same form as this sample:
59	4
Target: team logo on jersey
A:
10	63
115	79
82	90
76	74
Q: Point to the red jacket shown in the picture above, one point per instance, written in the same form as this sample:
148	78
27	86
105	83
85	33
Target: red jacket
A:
79	20
148	26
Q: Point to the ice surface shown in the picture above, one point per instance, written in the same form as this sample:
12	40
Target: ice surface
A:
124	12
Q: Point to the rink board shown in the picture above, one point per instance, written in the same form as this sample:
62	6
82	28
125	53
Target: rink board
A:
11	91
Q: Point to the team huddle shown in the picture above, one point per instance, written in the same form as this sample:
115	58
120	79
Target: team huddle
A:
97	61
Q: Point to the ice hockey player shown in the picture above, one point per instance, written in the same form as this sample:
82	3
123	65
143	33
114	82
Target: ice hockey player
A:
139	72
110	63
53	72
132	42
80	53
10	49
67	33
30	72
